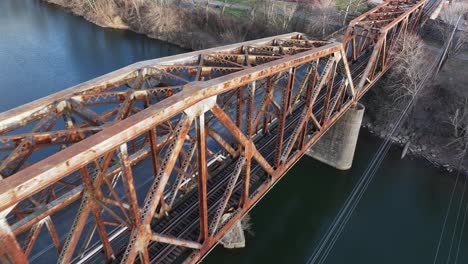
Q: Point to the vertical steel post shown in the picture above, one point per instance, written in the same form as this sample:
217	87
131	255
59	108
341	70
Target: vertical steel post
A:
129	186
266	118
153	145
250	127
239	113
202	177
88	182
284	113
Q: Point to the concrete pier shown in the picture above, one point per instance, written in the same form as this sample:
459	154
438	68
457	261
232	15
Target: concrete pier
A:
336	147
235	237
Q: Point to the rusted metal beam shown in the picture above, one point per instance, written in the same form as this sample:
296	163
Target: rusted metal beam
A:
180	177
10	248
175	241
222	71
75	232
140	236
284	111
262	190
96	213
227	194
241	138
202	177
138	78
219	139
33	178
129	186
250	127
31	238
53	233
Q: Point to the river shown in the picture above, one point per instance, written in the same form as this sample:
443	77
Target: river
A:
44	49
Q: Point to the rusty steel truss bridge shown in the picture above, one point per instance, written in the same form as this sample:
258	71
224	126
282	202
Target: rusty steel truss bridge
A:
141	164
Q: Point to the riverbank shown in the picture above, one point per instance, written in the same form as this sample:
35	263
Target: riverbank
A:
429	136
194	25
164	23
398	220
429	132
106	21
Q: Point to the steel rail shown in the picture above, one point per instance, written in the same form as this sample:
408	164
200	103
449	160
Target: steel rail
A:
190	84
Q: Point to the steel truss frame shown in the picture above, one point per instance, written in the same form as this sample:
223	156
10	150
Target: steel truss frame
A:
190	118
373	36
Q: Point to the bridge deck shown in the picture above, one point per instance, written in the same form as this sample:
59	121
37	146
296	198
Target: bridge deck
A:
183	220
258	104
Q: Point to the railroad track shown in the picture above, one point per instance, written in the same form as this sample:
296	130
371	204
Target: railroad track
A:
188	228
183	220
430	7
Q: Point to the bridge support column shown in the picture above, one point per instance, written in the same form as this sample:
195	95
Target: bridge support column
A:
235	237
336	147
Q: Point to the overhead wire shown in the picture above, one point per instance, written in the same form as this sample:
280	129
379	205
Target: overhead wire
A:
444	225
459	207
449	206
461	232
336	228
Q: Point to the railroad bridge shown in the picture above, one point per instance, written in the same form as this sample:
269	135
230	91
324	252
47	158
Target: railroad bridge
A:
157	161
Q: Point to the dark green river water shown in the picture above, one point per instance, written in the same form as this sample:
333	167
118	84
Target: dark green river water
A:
43	49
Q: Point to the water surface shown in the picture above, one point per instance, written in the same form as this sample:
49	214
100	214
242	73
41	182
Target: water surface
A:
44	49
398	220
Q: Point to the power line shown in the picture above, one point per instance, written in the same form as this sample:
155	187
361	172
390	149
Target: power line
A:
439	65
458	216
460	163
345	213
445	219
461	232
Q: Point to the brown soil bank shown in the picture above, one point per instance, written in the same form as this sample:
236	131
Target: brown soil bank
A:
195	25
145	17
428	130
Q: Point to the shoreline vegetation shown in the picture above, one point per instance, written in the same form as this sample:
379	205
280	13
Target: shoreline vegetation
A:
437	126
201	24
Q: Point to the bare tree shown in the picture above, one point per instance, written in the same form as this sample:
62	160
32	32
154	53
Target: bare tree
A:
268	8
410	56
448	20
253	10
411	59
162	19
459	120
207	11
353	6
323	16
223	9
288	10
